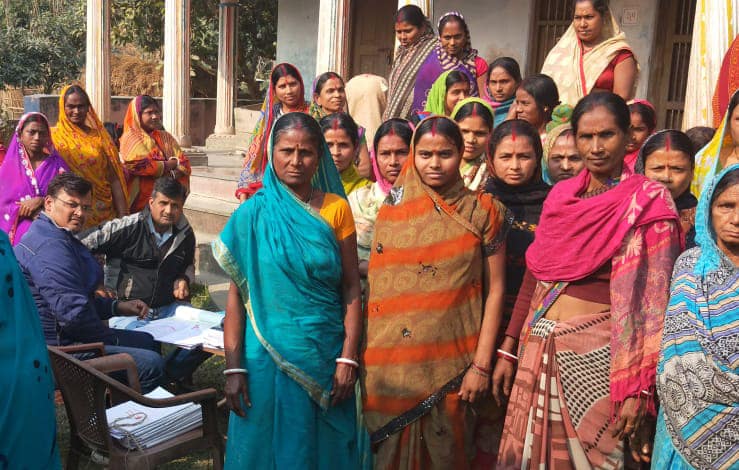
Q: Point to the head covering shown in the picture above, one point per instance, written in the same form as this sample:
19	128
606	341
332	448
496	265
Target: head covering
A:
144	153
383	183
705	237
697	373
255	161
708	159
472	99
630	158
560	123
728	81
407	63
475	171
426	263
90	154
574	71
436	101
587	233
27	415
366	99
305	334
20	181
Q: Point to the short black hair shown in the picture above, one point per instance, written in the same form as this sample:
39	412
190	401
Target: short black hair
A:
474	108
341	121
411	14
520	128
71	184
323	78
396	126
444	126
298	120
454	77
700	136
76	90
508	64
613	103
542	88
169	187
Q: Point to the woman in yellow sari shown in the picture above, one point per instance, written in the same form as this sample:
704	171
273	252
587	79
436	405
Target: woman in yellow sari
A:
148	151
721	152
84	144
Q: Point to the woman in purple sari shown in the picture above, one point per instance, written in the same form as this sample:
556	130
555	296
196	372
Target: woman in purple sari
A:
30	163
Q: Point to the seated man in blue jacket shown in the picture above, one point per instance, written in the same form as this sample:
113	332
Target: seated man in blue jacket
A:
63	276
157	248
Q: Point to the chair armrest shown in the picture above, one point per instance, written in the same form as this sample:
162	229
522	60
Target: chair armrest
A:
196	397
97	348
115	363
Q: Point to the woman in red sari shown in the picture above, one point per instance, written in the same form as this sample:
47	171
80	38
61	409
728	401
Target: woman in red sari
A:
148	151
594	297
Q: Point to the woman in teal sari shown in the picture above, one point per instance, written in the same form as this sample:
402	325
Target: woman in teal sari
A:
27	415
293	318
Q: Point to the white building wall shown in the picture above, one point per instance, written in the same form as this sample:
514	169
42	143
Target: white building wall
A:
297	35
503	27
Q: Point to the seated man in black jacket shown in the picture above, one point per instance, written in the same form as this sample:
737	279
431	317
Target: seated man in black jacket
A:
157	248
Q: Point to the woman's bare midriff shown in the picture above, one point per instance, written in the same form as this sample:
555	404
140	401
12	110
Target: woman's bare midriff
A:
566	307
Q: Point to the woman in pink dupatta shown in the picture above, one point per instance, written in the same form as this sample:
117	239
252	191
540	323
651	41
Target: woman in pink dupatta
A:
594	297
30	163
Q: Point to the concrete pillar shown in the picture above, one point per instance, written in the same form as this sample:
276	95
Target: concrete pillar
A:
97	56
226	84
332	46
176	96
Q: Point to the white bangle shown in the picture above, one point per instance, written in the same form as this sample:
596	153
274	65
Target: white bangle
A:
507	354
350	362
235	371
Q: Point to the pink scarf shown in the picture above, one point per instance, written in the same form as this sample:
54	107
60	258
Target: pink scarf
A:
384	184
575	236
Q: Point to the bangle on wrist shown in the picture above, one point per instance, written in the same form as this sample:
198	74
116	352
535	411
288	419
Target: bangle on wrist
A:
228	372
480	371
487	370
347	361
505	355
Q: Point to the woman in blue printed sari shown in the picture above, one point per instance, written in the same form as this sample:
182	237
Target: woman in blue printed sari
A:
698	370
293	318
26	384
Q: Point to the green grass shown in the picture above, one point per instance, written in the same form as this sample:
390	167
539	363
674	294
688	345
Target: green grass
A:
208	375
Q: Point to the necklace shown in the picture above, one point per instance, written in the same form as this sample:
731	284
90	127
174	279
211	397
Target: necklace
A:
610	183
310	196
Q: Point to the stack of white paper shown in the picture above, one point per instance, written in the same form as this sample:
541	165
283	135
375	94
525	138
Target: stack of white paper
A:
137	426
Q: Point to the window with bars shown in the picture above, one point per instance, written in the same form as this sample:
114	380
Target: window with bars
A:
551	20
669	76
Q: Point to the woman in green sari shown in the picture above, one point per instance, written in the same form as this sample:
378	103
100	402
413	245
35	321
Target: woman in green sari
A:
293	319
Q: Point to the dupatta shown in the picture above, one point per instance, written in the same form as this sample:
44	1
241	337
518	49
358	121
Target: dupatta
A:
577	236
21	181
574	71
425	305
407	63
708	161
255	161
698	370
90	154
285	260
144	155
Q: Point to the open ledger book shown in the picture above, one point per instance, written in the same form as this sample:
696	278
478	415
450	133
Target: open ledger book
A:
136	426
188	328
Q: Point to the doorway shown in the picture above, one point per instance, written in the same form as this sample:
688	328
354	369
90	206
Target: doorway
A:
372	39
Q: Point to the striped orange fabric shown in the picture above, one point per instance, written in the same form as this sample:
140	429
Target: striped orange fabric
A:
424	313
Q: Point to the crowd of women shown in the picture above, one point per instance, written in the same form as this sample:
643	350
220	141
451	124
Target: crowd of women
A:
122	173
457	267
461	267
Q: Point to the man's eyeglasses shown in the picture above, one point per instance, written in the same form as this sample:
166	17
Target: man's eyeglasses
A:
74	205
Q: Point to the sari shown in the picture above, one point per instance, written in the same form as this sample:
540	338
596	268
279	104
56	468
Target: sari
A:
285	260
351	180
424	317
27	415
21	181
366	99
698	370
728	82
92	155
574	71
403	75
710	160
573	375
255	161
145	154
436	101
436	64
685	203
474	172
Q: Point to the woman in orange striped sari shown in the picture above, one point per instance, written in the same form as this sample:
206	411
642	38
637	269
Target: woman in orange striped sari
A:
436	282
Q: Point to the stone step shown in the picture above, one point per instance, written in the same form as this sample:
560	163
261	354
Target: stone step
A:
218	183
